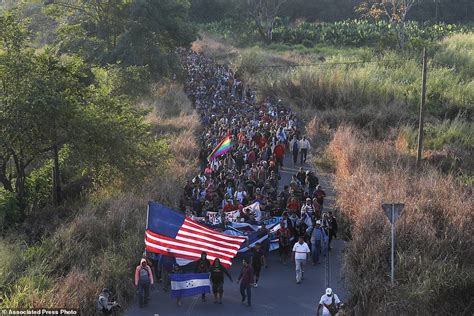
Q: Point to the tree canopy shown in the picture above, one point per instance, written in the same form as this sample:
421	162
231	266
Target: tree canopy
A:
50	101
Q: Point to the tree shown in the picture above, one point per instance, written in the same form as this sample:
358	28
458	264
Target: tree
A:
153	32
89	27
39	96
140	32
48	102
395	11
264	14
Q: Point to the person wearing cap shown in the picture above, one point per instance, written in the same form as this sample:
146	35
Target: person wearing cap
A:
329	302
318	238
104	305
300	256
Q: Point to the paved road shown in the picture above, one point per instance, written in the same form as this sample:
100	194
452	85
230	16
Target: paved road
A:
277	292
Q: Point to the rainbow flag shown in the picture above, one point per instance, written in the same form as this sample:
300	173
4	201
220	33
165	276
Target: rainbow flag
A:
221	149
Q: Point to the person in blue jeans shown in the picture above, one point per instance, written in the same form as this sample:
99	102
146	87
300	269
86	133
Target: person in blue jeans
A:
246	280
318	239
143	282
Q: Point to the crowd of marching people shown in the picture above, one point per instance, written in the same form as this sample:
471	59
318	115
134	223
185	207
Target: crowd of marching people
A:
261	133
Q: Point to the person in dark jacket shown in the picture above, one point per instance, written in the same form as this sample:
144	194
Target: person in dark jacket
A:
332	228
202	266
312	181
257	260
320	195
104	305
246	280
217	279
166	264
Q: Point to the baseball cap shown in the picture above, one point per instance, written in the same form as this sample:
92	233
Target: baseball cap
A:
328	291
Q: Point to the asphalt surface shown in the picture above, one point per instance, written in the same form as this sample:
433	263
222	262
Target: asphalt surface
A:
277	292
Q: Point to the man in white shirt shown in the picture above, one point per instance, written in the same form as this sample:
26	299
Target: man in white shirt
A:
304	146
329	302
300	256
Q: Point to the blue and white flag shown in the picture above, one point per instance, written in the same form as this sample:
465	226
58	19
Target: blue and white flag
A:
189	284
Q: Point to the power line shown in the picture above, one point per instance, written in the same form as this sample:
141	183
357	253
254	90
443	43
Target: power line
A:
322	64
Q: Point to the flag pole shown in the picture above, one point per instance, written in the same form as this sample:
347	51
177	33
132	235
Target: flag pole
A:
147	213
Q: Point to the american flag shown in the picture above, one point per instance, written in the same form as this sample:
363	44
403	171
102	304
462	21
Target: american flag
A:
172	234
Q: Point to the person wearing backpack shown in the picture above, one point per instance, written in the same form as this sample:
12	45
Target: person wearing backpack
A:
143	282
318	239
104	305
330	303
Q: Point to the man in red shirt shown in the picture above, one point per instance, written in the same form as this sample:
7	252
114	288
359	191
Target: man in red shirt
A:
279	152
229	207
246	279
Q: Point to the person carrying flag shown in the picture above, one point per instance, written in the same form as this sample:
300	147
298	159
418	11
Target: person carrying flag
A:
177	270
217	279
202	266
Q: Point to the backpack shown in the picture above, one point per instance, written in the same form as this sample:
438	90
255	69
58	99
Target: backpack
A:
100	307
333	307
143	275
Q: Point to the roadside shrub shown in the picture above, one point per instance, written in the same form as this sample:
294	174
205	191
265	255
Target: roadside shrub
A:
9	209
457	51
435	244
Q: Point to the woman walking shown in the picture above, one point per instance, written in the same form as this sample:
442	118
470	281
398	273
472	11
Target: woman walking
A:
217	279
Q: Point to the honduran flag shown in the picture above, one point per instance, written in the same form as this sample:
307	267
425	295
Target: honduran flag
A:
189	284
172	234
222	148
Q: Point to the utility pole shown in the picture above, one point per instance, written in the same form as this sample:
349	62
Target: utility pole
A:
393	211
422	110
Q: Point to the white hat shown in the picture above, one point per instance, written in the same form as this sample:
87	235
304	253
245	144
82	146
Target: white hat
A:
328	291
319	223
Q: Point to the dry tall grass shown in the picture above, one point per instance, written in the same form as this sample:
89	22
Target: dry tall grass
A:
435	235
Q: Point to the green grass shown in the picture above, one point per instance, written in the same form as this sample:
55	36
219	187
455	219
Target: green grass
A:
98	240
388	81
457	52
